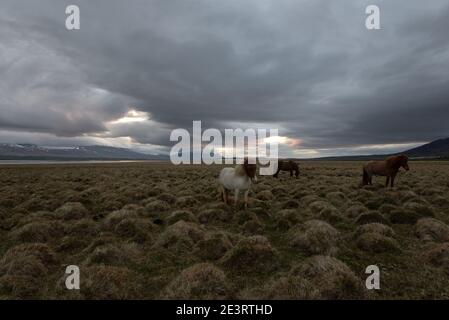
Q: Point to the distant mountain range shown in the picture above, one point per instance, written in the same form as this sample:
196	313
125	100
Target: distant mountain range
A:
27	151
438	149
24	151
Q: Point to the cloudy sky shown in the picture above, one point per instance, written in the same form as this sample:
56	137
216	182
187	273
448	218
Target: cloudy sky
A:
138	69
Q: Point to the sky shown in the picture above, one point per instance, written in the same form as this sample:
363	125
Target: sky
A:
138	69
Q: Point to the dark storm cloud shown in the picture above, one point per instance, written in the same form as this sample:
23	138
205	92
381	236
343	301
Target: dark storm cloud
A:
309	67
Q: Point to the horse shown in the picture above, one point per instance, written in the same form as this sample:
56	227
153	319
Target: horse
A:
287	166
239	178
387	168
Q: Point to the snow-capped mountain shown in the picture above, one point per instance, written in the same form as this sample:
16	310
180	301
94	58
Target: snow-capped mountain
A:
32	151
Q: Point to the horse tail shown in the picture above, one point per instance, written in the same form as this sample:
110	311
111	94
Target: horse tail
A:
365	177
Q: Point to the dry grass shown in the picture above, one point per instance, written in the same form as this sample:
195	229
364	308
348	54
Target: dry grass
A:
314	237
429	229
149	230
200	281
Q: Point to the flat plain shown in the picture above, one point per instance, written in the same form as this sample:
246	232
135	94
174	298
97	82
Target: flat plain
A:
158	231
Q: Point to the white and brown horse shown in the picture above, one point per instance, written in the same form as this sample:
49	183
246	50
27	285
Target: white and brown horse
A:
238	178
388	168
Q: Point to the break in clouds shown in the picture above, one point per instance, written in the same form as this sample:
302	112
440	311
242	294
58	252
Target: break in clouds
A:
138	69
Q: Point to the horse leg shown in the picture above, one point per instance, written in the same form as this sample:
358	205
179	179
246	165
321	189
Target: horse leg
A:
222	193
392	180
226	195
246	199
291	173
388	181
368	179
277	173
236	196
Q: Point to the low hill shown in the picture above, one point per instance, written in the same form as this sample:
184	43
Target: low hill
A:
438	149
34	152
435	149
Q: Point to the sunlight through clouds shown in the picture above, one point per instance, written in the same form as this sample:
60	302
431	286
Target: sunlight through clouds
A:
132	116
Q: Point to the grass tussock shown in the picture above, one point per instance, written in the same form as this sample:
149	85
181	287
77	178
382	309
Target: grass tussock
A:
314	237
319	277
429	229
200	281
254	253
377	243
111	282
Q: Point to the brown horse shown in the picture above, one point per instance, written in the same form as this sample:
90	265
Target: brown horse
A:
387	168
287	166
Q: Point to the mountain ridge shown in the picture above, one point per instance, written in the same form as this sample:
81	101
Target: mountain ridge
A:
28	151
437	149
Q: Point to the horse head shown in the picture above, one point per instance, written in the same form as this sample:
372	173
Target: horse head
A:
250	169
404	162
399	161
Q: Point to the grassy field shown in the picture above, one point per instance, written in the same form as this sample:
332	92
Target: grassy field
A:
152	231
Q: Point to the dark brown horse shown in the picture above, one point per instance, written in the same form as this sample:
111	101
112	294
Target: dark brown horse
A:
287	166
388	168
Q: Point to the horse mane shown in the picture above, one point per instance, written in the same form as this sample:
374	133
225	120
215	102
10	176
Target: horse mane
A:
249	168
245	169
396	161
240	170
